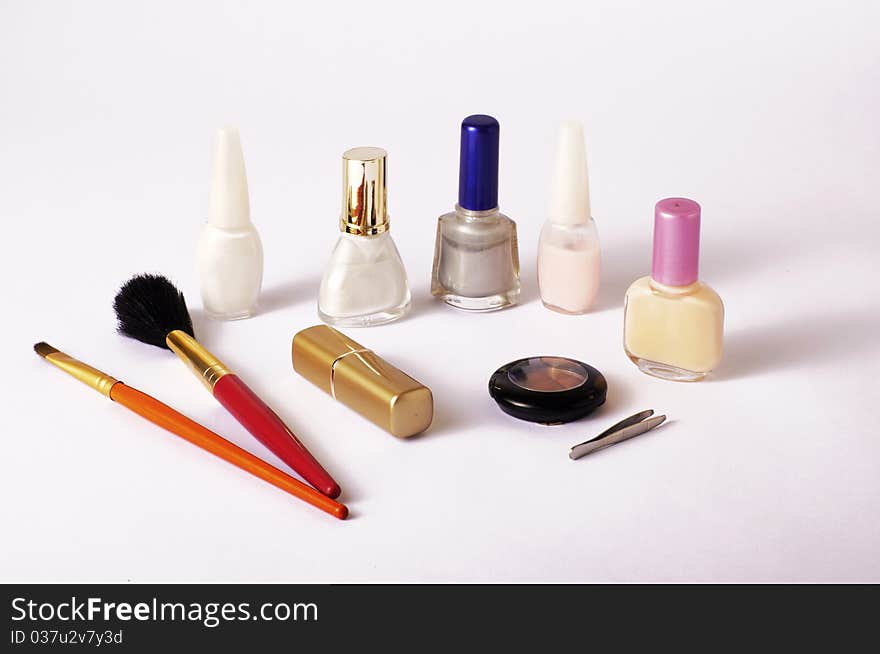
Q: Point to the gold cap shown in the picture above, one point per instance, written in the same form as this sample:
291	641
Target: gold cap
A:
364	211
363	381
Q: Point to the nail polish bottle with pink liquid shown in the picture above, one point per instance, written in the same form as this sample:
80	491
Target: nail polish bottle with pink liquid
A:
568	251
673	322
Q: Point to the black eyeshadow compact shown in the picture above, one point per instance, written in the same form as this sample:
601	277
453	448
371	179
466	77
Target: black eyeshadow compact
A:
549	390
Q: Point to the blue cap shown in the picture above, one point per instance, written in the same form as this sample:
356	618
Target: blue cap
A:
478	165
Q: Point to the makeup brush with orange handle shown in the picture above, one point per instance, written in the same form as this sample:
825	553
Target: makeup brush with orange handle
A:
150	309
177	423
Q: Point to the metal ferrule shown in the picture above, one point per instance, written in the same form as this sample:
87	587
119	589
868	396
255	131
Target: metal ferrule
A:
89	376
205	365
364	195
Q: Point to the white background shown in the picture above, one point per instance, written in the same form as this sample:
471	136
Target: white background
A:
766	113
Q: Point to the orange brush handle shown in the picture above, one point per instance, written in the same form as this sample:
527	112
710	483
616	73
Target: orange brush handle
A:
177	423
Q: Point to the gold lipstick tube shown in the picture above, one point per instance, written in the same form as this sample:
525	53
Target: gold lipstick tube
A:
363	381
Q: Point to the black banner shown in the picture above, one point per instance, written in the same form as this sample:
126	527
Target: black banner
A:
147	618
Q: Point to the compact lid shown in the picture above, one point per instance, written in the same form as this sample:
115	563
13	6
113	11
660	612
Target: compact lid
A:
548	389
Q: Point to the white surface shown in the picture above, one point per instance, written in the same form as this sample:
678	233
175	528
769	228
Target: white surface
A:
767	114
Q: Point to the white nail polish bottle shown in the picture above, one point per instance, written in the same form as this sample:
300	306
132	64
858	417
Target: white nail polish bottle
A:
229	254
365	282
568	252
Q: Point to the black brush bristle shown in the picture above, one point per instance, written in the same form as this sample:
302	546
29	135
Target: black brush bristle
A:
148	307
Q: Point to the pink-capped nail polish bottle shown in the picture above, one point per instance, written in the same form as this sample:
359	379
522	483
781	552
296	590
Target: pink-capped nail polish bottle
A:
673	323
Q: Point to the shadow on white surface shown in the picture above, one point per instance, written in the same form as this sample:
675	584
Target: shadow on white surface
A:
616	401
621	266
457	408
446	421
206	329
798	341
284	295
454	411
723	261
528	277
423	303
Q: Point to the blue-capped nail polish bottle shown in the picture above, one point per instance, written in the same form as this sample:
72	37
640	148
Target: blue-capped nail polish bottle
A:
476	262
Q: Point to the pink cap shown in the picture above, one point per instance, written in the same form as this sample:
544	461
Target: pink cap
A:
676	242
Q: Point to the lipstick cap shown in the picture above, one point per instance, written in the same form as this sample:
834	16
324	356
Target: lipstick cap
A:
478	163
676	260
363	381
364	195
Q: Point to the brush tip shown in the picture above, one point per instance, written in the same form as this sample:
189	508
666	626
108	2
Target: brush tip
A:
44	349
149	307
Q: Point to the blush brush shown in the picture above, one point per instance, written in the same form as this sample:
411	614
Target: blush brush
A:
150	309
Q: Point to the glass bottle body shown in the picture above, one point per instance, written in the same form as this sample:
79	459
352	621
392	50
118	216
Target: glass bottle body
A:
476	260
230	264
569	266
364	283
673	332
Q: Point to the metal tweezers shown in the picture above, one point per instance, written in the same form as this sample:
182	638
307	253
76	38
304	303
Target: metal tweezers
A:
623	430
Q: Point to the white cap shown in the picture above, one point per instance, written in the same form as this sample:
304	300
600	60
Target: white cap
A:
229	206
570	189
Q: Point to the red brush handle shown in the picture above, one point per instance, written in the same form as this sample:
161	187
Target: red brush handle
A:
268	428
